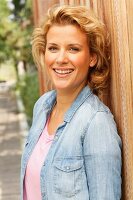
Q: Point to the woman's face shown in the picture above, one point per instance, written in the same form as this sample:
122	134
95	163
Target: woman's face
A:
67	57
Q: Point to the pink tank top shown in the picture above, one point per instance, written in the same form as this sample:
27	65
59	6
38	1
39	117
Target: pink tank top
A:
32	189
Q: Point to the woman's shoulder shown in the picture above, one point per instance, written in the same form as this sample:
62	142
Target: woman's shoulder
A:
93	105
101	125
45	101
46	98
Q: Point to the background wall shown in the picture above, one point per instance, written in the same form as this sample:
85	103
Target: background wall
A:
117	15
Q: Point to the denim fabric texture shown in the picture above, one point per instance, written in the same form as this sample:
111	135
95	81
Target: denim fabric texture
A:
84	161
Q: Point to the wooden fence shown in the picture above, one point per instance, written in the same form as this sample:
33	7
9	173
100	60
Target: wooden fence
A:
118	16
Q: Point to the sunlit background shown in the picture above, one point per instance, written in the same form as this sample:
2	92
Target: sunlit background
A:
16	63
18	90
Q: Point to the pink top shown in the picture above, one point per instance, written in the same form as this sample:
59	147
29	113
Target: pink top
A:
32	189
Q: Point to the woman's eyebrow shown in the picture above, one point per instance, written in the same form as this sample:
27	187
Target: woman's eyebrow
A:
71	44
77	44
51	43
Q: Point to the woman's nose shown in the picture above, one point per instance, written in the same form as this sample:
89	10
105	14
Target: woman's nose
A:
62	57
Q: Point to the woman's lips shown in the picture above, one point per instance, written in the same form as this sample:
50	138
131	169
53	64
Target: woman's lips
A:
63	71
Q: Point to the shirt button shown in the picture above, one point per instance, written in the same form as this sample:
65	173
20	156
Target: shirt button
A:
56	137
67	167
43	194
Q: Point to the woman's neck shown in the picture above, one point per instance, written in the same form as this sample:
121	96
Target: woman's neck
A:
65	99
63	102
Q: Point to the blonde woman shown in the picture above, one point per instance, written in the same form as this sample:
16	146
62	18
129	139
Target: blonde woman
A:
73	150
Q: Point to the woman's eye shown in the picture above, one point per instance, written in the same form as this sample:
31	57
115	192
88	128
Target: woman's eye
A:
74	49
52	49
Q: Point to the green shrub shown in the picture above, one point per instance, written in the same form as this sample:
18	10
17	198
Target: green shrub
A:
29	92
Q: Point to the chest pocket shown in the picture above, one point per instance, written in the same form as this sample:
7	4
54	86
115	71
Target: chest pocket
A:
68	176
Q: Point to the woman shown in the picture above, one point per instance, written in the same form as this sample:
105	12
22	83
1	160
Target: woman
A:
73	150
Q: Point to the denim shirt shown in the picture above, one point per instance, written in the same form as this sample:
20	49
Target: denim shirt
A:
84	161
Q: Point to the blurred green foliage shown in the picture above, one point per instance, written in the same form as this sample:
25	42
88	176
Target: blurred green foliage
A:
29	92
16	27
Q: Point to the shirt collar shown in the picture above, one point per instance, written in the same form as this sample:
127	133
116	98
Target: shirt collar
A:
82	96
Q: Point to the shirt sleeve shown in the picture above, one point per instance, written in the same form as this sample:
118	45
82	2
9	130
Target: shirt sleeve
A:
102	157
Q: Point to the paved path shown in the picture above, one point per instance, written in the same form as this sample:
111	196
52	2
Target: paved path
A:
11	142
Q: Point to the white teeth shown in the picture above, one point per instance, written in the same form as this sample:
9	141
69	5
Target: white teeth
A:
60	71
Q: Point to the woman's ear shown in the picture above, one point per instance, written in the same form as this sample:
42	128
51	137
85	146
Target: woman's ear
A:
93	60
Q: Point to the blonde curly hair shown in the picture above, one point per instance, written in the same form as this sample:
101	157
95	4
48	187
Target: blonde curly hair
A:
95	30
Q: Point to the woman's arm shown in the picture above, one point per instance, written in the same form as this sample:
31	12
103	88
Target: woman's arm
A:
102	156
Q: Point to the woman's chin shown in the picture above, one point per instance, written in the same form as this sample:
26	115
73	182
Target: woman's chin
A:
61	87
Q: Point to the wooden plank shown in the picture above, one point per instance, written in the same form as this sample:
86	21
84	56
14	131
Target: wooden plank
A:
120	14
129	6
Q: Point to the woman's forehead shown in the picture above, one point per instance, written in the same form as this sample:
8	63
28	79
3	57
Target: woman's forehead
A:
66	32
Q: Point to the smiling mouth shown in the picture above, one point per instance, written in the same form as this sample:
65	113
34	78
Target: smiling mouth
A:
63	71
